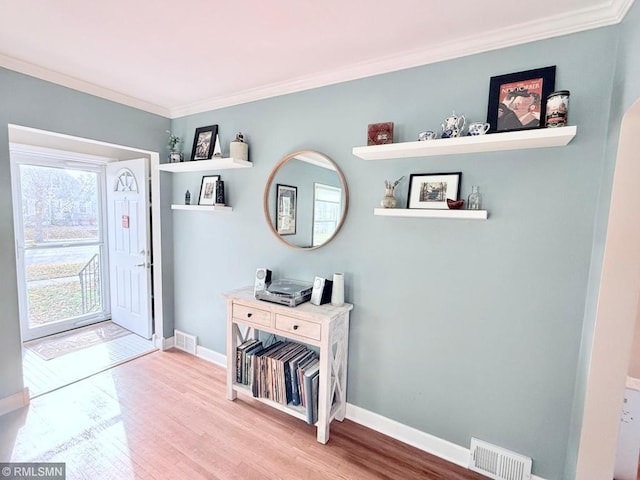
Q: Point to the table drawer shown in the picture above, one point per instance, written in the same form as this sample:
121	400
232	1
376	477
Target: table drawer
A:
251	314
297	326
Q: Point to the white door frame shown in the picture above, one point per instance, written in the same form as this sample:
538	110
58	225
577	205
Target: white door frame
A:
69	143
617	309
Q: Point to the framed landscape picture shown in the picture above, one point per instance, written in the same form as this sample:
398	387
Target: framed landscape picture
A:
431	190
517	101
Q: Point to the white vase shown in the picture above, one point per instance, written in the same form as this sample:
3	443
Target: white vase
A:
239	150
337	293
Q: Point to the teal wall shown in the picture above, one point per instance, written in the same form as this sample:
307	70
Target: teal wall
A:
460	328
34	103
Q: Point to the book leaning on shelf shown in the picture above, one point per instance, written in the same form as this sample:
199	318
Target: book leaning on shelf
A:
247	366
311	381
302	366
300	359
240	355
259	378
285	372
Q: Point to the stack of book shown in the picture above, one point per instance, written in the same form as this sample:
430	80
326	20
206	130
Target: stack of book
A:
284	372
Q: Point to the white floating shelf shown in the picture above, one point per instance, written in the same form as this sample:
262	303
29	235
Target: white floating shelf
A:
434	213
202	208
493	142
205	165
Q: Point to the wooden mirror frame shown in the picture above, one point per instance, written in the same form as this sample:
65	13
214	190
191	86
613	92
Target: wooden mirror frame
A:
267	191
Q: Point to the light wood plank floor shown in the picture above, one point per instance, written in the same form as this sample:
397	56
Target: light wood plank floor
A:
165	416
42	376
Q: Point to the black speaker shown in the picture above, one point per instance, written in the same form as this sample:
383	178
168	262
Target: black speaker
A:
263	279
321	292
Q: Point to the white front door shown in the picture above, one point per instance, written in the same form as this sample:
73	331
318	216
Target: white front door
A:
129	245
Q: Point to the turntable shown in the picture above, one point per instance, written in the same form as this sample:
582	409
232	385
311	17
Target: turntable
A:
286	292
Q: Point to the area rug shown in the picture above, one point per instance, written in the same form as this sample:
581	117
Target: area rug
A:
55	346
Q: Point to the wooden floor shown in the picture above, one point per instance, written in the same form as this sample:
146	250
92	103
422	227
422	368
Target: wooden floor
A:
42	376
165	416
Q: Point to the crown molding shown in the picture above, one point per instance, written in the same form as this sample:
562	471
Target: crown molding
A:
607	14
80	85
576	21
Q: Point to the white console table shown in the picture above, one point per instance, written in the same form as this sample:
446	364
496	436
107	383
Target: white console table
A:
324	326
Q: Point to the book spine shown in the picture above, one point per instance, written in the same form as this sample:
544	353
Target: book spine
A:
238	365
308	400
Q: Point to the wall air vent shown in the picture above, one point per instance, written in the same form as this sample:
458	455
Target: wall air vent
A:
498	463
185	342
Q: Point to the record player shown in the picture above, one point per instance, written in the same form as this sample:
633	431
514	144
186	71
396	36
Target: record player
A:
286	292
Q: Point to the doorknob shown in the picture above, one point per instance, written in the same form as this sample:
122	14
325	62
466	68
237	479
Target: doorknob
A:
140	265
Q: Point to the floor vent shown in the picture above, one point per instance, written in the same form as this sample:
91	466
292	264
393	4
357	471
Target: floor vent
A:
498	463
184	341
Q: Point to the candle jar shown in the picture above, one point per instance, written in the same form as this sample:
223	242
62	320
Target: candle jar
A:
557	109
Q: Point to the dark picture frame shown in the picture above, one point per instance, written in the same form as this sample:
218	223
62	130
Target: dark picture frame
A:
204	142
517	101
286	209
208	190
431	190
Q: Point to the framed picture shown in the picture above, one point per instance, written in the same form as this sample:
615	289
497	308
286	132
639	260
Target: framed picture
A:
203	142
208	190
431	190
517	101
380	133
286	206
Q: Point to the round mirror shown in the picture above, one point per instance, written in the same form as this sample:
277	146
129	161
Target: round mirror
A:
306	199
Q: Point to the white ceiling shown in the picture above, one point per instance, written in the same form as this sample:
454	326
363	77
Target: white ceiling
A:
189	56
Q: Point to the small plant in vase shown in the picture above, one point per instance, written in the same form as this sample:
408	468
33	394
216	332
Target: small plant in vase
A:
175	155
389	201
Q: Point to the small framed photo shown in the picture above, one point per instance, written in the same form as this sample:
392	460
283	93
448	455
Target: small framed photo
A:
286	207
517	101
204	142
431	190
380	133
208	190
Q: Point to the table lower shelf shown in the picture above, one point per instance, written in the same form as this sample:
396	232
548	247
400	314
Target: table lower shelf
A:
293	410
296	411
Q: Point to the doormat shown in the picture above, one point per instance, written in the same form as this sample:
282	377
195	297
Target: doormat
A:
60	344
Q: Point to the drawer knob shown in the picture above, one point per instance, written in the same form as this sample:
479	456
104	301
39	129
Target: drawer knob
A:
295	327
249	315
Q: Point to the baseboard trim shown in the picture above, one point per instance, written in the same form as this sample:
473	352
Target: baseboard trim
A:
166	343
428	443
15	401
211	356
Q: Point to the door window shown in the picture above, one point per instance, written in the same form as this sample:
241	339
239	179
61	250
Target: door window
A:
60	244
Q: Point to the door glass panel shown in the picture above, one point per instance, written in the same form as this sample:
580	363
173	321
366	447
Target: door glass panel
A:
60	247
59	205
62	283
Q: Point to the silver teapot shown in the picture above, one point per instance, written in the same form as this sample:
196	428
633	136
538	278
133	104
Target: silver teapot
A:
453	126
